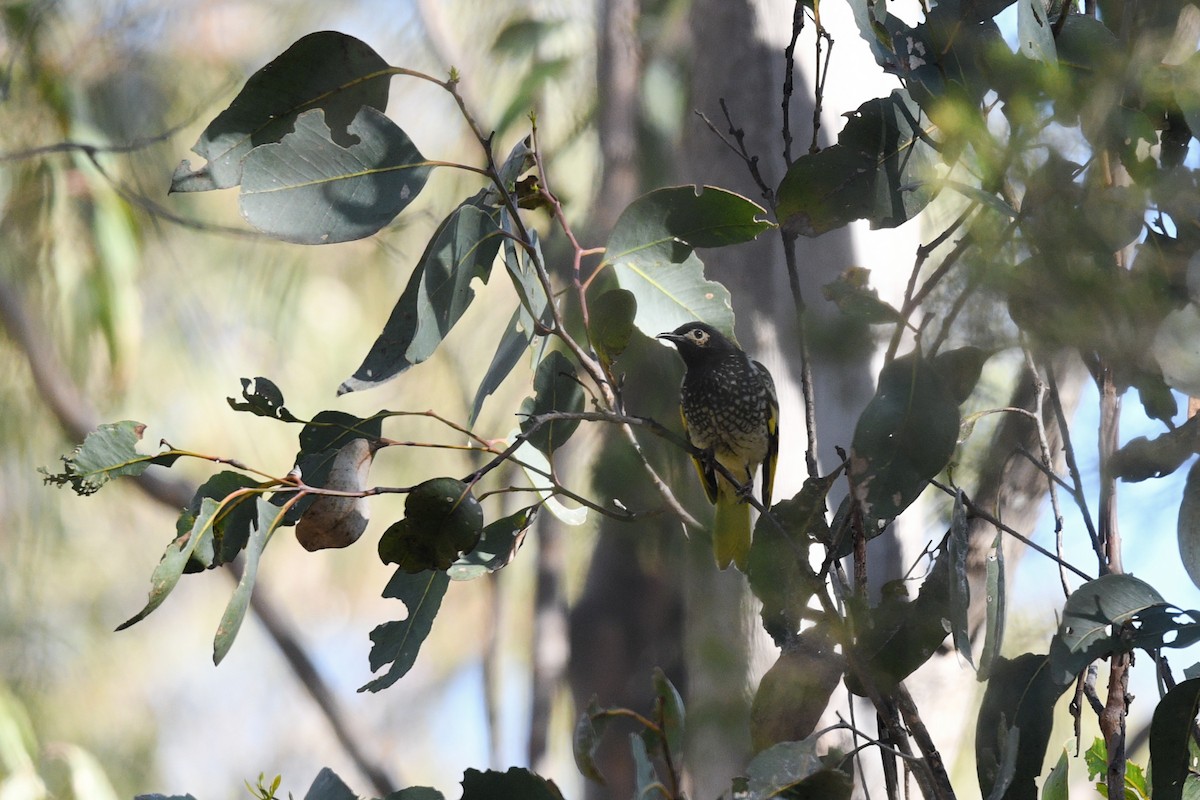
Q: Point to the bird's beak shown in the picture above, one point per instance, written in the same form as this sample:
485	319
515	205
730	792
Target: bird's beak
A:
670	337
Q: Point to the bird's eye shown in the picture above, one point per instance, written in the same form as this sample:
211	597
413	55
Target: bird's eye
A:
698	336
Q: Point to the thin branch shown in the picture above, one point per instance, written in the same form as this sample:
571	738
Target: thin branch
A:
789	73
1047	463
1073	468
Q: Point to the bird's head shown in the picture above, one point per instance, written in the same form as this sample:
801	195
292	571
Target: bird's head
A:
697	341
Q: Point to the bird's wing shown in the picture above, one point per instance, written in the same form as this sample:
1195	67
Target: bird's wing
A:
708	475
768	476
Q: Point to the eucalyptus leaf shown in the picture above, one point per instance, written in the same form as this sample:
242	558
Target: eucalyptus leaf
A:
308	189
268	518
794	692
993	637
515	783
398	643
1170	738
436	296
557	389
957	547
1188	527
327	70
264	400
108	452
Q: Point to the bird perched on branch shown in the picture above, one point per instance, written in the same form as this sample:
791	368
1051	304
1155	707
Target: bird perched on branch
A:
730	414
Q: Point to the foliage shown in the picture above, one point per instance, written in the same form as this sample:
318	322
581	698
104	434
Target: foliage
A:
1091	256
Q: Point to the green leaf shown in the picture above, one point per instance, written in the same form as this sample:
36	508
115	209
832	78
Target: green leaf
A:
651	252
1034	33
897	636
334	521
879	170
442	520
1057	786
438	293
264	399
1014	724
513	342
171	567
536	467
1091	610
398	643
645	777
960	369
855	298
328	786
778	569
268	519
308	189
497	546
327	70
515	783
796	689
993	637
1188	527
611	318
670	713
1170	736
957	546
1176	348
556	389
1143	458
108	452
333	430
904	437
230	529
586	739
793	769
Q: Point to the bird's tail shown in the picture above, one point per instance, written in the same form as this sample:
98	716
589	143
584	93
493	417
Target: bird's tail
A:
731	530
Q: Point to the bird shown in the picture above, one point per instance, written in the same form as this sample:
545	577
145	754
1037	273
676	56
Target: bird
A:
731	416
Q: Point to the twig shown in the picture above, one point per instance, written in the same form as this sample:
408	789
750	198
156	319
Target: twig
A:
1047	463
1073	468
789	72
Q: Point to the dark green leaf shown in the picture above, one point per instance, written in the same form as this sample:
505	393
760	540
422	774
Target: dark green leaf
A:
1091	610
515	783
1143	458
438	293
1017	714
108	452
556	389
326	70
794	692
171	567
497	546
904	437
779	573
513	342
993	637
333	430
611	318
960	369
309	189
645	777
328	786
1189	525
264	399
855	298
442	520
957	546
398	643
1170	736
670	712
879	171
231	527
897	636
268	519
651	251
793	769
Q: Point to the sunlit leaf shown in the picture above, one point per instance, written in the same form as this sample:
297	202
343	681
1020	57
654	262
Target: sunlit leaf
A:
327	70
1084	634
957	547
438	293
1034	33
651	252
309	189
108	452
536	467
1176	348
993	637
334	521
513	343
497	546
398	643
268	519
1056	785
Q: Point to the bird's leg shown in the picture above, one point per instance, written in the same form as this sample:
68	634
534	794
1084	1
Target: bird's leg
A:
745	490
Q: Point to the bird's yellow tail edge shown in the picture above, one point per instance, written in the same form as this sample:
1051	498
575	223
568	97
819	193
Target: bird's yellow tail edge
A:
731	532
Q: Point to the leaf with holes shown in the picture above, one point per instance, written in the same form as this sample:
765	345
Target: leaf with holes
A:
108	452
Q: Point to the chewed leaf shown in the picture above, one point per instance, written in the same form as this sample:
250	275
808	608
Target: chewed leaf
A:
398	643
309	189
328	70
264	399
108	452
